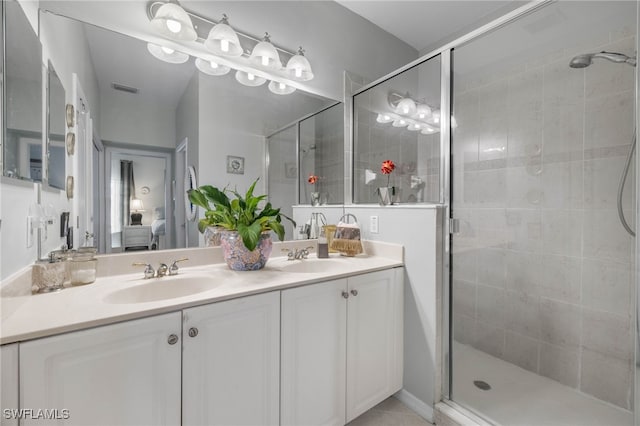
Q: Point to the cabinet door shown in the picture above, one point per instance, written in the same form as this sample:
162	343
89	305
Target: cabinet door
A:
374	339
314	354
231	367
121	374
8	383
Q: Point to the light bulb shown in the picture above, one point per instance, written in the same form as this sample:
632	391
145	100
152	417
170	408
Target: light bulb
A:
224	45
282	86
422	115
298	72
174	26
386	117
214	65
403	122
167	50
250	76
265	61
405	110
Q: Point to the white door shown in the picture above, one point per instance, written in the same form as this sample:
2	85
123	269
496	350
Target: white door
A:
121	374
230	371
8	383
374	339
313	354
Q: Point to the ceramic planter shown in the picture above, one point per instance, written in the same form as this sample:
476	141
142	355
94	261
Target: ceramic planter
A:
239	258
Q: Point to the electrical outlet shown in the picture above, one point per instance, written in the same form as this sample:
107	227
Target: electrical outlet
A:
373	224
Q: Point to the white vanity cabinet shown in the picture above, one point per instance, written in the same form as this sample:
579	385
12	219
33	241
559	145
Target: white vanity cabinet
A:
231	362
341	347
8	383
121	374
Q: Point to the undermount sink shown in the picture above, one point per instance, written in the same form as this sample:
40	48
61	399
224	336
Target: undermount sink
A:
309	266
156	289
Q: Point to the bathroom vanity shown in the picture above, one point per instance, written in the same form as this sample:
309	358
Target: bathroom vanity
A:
317	341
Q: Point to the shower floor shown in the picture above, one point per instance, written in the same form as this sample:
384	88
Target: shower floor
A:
520	397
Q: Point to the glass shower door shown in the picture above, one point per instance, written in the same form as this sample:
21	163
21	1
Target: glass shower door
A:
542	268
282	173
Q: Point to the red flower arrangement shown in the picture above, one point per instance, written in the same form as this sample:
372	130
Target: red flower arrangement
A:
312	179
387	168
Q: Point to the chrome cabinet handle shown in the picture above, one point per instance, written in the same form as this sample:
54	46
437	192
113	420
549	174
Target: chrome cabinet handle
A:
345	294
354	292
193	332
173	339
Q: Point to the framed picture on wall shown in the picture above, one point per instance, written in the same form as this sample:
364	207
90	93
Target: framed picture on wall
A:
235	165
290	170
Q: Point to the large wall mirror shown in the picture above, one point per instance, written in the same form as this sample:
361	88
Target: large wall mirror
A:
151	120
55	148
22	153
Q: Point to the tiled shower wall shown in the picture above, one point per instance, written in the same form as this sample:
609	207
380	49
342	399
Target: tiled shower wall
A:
542	268
322	154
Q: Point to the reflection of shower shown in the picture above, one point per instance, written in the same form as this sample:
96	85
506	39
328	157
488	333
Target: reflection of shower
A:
583	61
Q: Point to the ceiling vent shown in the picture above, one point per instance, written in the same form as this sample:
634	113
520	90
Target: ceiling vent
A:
123	88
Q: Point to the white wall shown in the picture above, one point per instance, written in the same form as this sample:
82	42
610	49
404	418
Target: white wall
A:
135	119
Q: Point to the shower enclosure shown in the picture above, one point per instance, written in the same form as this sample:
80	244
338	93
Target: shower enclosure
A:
542	269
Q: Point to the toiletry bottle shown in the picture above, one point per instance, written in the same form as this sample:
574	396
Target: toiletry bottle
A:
323	245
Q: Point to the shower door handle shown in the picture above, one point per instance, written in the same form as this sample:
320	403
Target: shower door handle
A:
454	226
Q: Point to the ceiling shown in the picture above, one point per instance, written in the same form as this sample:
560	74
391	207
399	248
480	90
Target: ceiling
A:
427	24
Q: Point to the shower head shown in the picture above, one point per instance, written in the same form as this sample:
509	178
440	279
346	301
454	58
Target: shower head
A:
585	59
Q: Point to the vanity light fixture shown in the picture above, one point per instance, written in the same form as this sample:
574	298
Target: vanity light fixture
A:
428	130
415	126
280	88
423	112
406	107
400	122
385	118
299	67
225	49
249	79
265	54
223	40
211	67
173	22
167	54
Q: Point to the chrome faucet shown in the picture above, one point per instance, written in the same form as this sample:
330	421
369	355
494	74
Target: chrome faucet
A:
163	269
298	254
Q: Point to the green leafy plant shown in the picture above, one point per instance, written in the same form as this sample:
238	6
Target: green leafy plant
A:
242	214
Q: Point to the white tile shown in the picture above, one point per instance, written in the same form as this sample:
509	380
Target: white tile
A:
524	187
489	339
524	227
607	333
601	179
464	298
562	185
522	313
524	271
522	351
607	286
609	120
490	305
603	79
561	278
560	364
492	269
604	237
607	378
559	323
562	232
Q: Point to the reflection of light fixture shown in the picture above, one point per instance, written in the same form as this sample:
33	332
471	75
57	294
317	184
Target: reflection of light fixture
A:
423	111
167	54
406	107
385	118
436	116
400	122
265	54
299	67
136	206
211	67
428	130
280	88
223	40
249	79
173	22
414	126
369	176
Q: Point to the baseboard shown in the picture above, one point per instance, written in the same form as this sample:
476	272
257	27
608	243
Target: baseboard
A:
421	408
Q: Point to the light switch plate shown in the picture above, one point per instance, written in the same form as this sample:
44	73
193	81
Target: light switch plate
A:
373	224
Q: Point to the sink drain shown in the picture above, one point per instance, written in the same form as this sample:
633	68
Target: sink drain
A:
481	384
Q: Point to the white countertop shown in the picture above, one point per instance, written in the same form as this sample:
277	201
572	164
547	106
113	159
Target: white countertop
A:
106	301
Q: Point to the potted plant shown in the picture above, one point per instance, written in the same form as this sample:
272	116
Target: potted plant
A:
246	227
387	194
